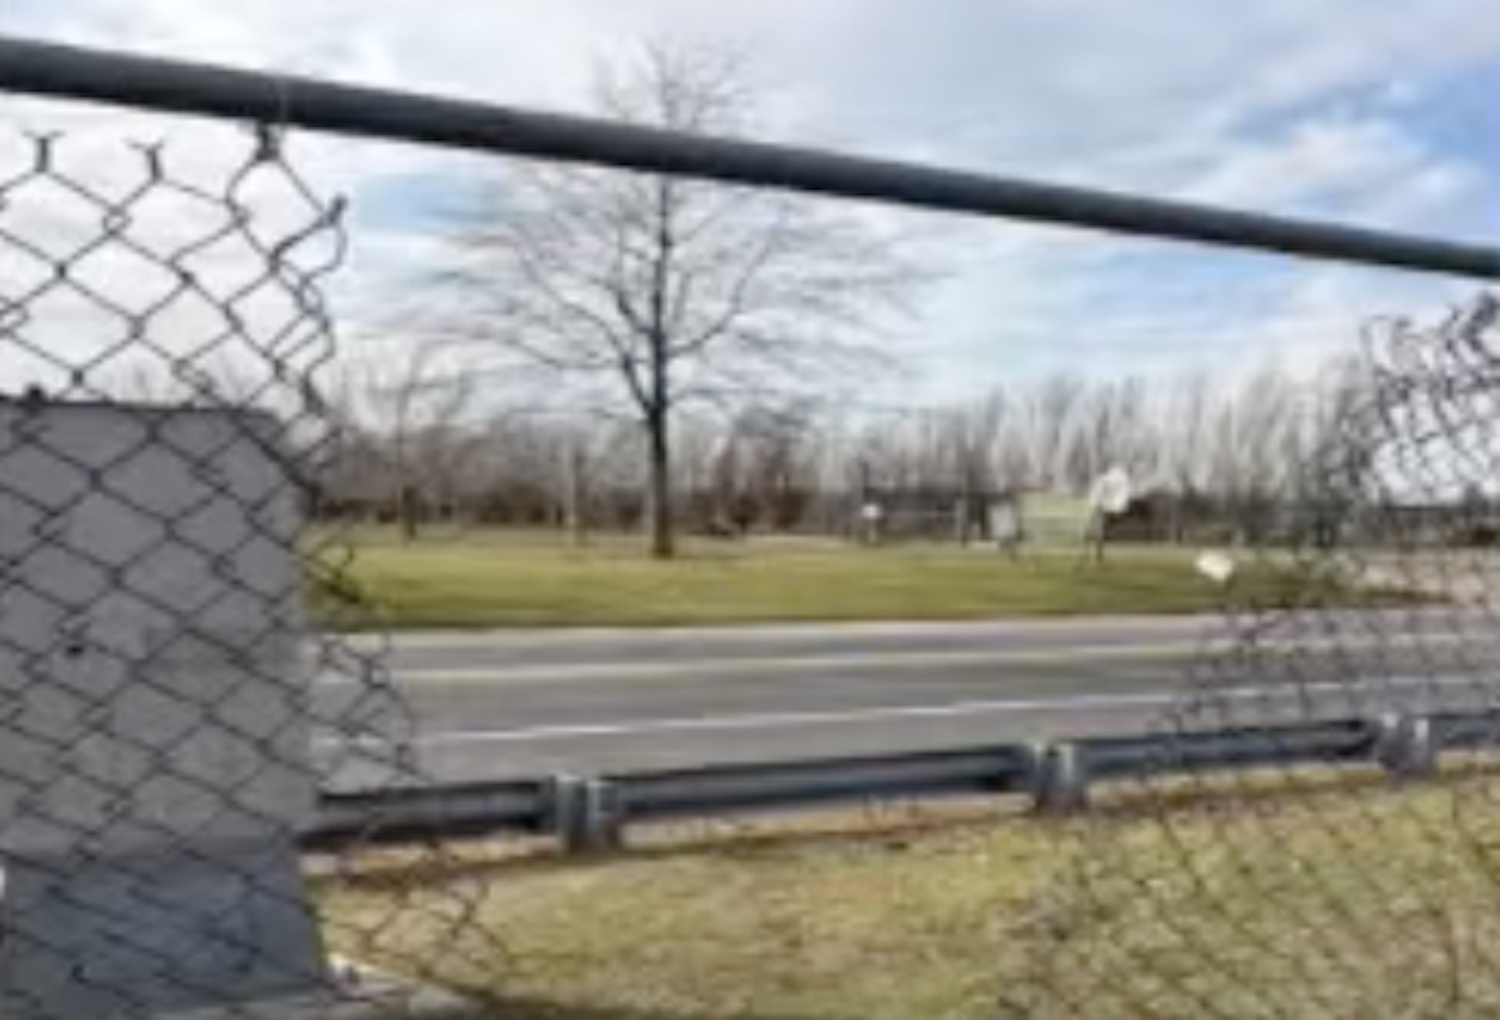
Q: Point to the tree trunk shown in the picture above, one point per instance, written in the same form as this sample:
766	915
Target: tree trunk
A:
659	522
659	406
573	513
408	511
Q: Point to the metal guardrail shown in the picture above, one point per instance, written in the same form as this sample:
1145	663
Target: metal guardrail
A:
1338	741
1456	731
394	817
739	789
591	812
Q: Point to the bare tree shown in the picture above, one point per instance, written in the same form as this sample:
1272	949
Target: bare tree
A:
959	456
1251	451
1182	446
782	462
1053	408
649	292
419	405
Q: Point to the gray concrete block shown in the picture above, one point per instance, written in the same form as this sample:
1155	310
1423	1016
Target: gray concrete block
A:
156	932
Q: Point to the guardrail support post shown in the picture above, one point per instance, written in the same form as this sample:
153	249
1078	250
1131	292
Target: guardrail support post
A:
1405	746
586	814
1059	779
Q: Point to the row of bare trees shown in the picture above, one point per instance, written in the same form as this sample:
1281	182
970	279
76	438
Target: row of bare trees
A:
427	451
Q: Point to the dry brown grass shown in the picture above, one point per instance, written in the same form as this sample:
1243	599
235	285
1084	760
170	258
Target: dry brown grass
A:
1340	898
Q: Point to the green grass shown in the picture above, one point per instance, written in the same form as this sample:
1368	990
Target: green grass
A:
502	580
1331	903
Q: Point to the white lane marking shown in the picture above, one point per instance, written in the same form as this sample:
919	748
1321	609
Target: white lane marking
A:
1189	626
753	633
790	720
863	661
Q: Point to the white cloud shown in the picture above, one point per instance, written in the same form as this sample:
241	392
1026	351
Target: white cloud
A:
1313	162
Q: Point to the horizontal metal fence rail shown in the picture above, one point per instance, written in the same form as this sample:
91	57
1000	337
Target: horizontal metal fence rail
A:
46	69
592	811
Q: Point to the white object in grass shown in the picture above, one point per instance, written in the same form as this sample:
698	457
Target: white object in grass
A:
1216	566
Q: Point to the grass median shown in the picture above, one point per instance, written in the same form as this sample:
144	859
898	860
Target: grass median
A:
504	579
1338	901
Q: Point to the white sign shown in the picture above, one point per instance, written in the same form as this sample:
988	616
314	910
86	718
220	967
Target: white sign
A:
150	627
1111	492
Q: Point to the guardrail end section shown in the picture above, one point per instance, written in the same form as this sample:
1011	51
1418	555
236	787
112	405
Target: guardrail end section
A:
585	813
1405	746
1059	779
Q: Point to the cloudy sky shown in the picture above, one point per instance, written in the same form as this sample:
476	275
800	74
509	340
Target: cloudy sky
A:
1378	113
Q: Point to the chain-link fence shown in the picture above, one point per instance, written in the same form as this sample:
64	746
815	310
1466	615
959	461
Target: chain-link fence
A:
171	719
1305	887
185	688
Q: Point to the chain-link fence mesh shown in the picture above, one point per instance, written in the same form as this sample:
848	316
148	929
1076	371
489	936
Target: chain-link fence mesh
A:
183	688
1313	887
177	690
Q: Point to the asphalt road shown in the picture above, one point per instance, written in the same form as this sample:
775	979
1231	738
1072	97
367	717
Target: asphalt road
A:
495	705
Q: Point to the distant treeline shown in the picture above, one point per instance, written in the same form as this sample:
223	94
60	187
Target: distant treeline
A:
1204	458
